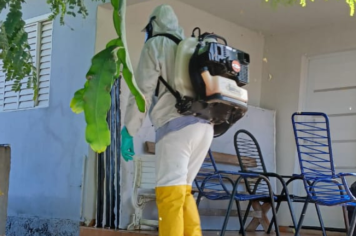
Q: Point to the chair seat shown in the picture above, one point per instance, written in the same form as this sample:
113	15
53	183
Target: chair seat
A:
334	200
293	198
247	197
222	195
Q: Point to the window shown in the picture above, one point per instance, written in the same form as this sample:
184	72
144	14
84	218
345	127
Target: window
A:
40	39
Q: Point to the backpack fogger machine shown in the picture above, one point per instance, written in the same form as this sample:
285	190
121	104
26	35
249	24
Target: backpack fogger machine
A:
209	77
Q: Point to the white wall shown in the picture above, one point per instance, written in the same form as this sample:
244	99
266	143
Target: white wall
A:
136	19
281	91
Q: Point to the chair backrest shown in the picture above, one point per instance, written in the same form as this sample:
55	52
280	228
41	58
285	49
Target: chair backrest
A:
246	145
145	171
208	167
250	157
312	136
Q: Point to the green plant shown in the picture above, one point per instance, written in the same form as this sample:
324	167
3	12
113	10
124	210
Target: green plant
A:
303	3
94	99
111	63
14	47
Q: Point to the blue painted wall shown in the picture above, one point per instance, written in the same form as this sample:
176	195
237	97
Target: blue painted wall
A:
48	144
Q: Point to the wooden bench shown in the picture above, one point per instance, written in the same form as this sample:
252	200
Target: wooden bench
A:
144	185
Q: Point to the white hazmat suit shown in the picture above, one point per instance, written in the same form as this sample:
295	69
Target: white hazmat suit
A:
183	141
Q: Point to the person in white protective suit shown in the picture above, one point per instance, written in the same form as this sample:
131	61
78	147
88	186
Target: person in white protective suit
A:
182	142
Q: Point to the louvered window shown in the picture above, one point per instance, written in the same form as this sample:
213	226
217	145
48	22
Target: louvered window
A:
40	39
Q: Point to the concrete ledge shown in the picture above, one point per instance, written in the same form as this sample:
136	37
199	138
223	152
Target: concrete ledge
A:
285	231
33	226
5	160
91	231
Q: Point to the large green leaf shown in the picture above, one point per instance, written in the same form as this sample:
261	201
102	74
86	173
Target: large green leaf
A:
119	24
77	102
94	99
97	100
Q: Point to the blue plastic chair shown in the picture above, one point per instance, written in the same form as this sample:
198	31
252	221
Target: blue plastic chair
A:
218	185
323	185
246	145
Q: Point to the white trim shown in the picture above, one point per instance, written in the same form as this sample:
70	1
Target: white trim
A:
50	69
36	19
38	57
303	87
328	54
3	91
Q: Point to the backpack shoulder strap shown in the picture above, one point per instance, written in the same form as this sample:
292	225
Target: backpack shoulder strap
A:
174	39
170	36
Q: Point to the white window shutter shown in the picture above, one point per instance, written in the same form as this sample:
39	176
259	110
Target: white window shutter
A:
40	41
2	87
25	96
45	64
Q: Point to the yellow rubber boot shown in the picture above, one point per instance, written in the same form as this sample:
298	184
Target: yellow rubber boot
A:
191	215
170	201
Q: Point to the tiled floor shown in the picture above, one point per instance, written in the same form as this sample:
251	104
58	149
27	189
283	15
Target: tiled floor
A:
85	231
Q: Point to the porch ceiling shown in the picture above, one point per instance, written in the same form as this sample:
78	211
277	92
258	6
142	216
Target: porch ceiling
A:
259	16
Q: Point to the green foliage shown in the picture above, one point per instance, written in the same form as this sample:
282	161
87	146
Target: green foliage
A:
69	7
119	24
303	3
97	99
77	103
94	99
15	50
18	64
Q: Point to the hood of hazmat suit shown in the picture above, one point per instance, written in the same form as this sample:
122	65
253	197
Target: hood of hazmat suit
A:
157	59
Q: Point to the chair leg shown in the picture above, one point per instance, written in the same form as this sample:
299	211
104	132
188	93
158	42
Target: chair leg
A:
226	220
242	223
352	225
276	226
270	224
246	215
346	218
317	208
198	199
292	212
300	223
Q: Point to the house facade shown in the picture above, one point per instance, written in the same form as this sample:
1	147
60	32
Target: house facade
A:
52	184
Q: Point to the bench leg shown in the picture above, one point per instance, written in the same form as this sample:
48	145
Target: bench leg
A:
135	220
151	223
133	224
138	222
264	221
